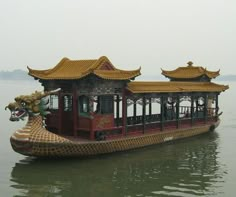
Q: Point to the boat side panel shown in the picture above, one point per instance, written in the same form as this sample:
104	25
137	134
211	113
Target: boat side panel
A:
68	149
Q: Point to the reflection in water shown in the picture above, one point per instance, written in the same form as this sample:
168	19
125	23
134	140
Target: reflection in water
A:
184	168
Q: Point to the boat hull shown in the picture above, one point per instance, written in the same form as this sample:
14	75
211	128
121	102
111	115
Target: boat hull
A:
72	148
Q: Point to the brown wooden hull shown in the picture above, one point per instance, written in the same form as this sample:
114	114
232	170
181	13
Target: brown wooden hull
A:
59	147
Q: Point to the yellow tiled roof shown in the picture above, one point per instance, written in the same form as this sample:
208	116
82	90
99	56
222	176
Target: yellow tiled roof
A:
189	72
165	87
76	69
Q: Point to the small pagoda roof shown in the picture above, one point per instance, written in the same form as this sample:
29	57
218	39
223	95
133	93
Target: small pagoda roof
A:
190	72
174	87
68	69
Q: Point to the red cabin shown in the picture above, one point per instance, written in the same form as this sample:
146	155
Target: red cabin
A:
94	99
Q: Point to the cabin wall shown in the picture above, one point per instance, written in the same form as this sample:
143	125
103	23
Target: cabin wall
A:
84	123
145	111
101	121
73	122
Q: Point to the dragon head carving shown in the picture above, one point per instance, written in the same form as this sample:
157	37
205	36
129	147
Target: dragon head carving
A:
30	105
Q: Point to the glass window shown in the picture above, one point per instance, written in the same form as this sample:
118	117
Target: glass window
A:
107	104
84	104
54	104
96	104
67	101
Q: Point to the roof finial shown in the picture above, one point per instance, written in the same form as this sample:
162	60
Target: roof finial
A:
190	63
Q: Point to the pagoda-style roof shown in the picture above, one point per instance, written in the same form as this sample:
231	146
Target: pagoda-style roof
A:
190	72
165	87
68	69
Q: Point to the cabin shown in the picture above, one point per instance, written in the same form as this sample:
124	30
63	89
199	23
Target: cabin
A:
98	101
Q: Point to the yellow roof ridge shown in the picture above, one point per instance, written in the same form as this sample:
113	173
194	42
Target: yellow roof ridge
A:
173	86
76	69
190	71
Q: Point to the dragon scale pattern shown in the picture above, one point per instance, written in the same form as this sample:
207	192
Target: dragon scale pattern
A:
43	143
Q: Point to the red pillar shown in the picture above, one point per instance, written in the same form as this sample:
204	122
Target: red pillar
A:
144	113
117	109
91	116
60	97
124	113
75	110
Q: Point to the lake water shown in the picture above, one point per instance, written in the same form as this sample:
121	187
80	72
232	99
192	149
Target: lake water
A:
199	166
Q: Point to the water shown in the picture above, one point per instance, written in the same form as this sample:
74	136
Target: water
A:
199	166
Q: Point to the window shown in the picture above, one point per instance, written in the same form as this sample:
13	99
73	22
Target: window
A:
53	102
67	101
84	104
106	103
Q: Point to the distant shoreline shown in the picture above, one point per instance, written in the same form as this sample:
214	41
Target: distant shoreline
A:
15	75
23	75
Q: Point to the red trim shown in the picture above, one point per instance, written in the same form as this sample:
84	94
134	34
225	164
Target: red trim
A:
83	129
105	129
167	127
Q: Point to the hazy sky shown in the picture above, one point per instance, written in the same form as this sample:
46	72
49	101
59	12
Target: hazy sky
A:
152	34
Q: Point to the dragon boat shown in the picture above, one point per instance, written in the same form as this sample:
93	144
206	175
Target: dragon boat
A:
89	107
